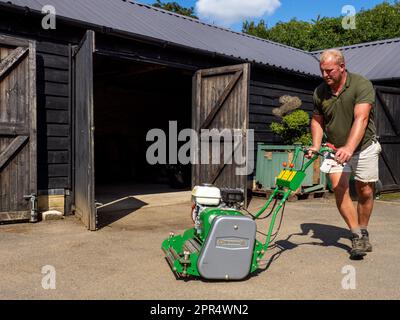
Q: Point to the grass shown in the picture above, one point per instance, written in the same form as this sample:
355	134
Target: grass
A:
390	196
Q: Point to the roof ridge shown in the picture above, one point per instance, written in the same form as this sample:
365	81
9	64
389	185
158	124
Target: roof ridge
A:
213	26
362	44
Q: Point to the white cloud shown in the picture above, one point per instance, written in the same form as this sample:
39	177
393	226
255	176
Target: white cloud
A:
227	12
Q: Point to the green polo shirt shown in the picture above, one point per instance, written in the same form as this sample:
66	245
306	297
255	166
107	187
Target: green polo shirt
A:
338	111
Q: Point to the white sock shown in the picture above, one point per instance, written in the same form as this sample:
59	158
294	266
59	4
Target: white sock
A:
357	231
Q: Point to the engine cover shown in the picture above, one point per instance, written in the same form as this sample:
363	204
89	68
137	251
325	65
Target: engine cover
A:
228	249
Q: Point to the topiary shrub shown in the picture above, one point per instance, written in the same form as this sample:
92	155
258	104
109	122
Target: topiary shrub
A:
293	127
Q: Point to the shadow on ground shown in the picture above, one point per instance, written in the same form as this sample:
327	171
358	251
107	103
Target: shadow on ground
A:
115	212
329	236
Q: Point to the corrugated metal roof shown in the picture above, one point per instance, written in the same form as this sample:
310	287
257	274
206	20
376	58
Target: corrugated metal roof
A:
376	60
159	24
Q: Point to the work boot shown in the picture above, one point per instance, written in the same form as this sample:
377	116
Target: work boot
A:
358	247
365	240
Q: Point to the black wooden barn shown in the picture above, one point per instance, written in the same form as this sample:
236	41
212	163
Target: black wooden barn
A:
77	101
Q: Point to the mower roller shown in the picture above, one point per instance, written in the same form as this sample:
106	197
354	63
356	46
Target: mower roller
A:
223	245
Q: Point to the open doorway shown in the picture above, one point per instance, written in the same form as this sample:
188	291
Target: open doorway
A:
130	99
124	99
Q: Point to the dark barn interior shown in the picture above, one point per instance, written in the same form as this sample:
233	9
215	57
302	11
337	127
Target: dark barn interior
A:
130	99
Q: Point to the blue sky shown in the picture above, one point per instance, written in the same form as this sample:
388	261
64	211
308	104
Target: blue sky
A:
282	10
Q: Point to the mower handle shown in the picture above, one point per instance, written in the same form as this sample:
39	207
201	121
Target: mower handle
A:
327	147
330	145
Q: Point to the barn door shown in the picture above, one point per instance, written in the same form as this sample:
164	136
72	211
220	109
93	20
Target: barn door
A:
220	101
83	133
18	178
387	120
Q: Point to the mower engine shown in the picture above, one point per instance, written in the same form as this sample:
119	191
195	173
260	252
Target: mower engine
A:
204	196
220	246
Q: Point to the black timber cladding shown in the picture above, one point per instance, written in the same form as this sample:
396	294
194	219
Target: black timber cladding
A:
53	93
387	121
54	130
266	87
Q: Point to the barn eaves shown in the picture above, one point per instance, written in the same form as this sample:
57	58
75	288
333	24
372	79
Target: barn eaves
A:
377	61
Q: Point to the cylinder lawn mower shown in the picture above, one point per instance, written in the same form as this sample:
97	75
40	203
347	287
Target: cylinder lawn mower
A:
223	245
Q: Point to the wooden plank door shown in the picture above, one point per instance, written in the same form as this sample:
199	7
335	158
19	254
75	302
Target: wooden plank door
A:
18	170
84	198
387	119
221	101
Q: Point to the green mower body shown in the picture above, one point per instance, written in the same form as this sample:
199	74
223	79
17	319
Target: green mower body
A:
223	246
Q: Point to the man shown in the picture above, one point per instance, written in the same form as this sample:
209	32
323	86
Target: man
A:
344	111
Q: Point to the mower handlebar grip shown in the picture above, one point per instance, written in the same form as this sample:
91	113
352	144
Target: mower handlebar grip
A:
331	146
327	148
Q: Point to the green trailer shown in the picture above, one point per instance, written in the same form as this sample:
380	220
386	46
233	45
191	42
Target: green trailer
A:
269	164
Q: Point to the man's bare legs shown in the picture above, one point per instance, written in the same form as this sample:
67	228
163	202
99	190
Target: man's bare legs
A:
365	205
340	185
354	218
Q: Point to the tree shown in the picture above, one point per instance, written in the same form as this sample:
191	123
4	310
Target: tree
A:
378	23
175	7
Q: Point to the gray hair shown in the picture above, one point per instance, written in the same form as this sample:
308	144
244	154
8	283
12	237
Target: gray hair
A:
336	54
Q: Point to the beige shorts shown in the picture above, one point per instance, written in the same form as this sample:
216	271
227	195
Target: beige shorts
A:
364	165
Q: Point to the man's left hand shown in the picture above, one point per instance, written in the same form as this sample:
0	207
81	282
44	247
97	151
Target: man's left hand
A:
343	154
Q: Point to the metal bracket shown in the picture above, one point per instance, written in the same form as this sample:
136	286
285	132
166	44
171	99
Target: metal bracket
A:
34	212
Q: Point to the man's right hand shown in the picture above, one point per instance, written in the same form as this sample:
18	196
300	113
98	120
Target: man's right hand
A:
311	151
